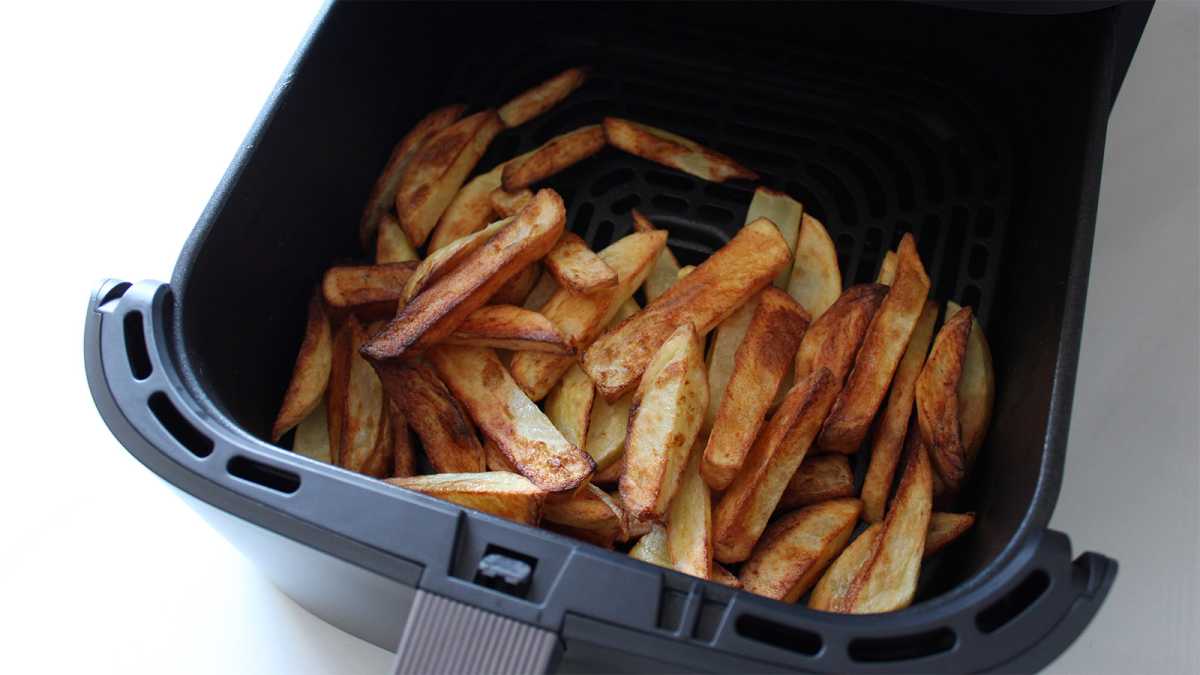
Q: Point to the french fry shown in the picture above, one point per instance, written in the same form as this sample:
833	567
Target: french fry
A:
438	170
517	289
611	474
759	365
673	151
533	102
312	436
724	577
436	312
404	461
819	478
689	521
889	435
742	513
376	463
684	271
470	210
500	493
833	339
976	389
937	399
816	280
576	268
310	375
522	432
569	407
542	291
391	244
582	317
944	528
786	213
369	291
664	420
887	269
835	584
505	204
496	461
666	268
434	414
883	345
723	347
797	548
553	156
447	259
383	193
358	400
509	327
606	429
732	275
652	547
590	511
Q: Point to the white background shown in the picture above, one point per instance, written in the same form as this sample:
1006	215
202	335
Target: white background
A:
117	121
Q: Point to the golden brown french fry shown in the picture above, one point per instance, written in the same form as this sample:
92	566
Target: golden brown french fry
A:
470	210
893	425
391	244
816	280
553	156
310	375
577	268
383	193
496	461
590	511
731	276
652	547
438	170
533	102
500	493
937	399
833	339
819	478
569	406
664	420
836	583
447	259
786	213
666	268
542	291
358	399
944	528
336	391
606	429
689	521
887	269
673	151
505	204
378	463
369	291
432	411
522	432
976	389
742	513
724	577
582	317
517	289
404	460
797	548
761	360
726	339
883	345
509	327
312	436
437	311
611	474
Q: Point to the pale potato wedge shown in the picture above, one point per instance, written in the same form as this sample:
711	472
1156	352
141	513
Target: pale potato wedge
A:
553	156
723	347
358	399
310	375
893	424
434	414
684	271
391	244
673	151
517	289
582	317
505	204
369	291
819	478
883	346
312	436
724	577
887	269
786	213
404	460
436	312
652	547
383	193
611	474
438	170
816	280
577	268
608	422
937	399
760	363
666	268
522	432
944	528
796	549
542	291
509	327
537	100
500	493
664	420
976	389
833	339
689	521
447	259
590	511
835	584
470	210
569	407
730	276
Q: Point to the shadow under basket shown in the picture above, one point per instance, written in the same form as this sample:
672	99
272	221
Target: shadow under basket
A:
979	128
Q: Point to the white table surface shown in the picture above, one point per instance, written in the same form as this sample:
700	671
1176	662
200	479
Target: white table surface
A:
117	122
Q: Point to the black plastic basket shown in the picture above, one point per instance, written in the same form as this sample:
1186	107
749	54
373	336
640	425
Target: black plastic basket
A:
980	131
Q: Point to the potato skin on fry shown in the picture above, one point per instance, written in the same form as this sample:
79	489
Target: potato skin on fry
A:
503	494
441	423
369	291
509	327
577	268
976	389
360	406
818	479
537	100
937	399
391	244
445	260
470	209
796	549
553	156
311	373
517	289
833	339
944	528
672	150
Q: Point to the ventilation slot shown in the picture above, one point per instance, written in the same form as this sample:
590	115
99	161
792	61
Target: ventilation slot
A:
114	293
265	475
624	204
670	609
135	346
1010	606
778	635
179	428
709	620
902	648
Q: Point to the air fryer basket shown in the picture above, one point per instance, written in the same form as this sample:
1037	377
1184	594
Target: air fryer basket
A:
980	133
